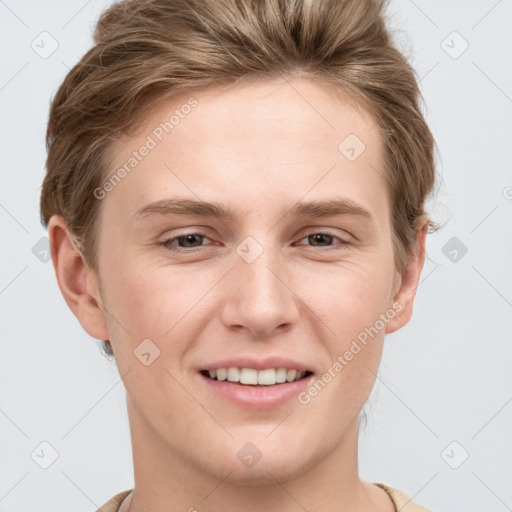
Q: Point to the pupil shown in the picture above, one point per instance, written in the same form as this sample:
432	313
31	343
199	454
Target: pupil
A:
187	239
320	236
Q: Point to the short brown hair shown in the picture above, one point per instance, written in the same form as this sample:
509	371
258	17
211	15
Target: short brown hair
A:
146	50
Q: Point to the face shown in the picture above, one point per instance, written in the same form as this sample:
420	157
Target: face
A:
297	273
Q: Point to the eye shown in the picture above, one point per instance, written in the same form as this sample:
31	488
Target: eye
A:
187	242
325	239
184	242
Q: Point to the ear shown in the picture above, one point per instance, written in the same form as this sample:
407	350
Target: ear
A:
77	282
407	281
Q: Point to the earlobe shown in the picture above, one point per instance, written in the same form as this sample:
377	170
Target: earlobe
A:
408	282
77	282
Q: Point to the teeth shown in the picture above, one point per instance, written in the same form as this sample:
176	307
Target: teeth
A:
290	375
266	377
251	376
280	375
233	375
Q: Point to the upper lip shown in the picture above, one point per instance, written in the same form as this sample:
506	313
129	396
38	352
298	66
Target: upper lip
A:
258	364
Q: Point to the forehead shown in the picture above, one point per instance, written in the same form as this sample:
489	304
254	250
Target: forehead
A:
254	142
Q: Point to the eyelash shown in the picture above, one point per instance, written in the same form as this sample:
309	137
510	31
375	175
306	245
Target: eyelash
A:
167	243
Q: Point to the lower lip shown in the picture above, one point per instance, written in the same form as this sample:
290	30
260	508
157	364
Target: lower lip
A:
257	397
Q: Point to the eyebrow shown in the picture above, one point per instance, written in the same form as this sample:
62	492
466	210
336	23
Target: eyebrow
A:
184	206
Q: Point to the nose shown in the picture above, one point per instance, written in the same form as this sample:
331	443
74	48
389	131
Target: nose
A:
259	298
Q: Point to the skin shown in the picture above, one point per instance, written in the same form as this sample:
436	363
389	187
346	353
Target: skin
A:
259	147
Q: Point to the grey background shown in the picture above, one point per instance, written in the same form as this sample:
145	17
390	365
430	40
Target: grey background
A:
444	389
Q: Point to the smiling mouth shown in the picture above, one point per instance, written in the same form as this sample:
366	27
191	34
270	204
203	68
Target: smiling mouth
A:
253	377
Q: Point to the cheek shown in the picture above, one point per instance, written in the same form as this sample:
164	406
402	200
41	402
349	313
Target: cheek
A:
348	299
352	359
157	303
353	304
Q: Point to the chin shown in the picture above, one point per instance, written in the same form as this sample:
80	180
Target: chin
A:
253	461
265	472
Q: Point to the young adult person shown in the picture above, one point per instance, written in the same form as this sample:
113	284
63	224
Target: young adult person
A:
235	199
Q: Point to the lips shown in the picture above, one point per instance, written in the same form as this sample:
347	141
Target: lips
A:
250	372
255	397
258	364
